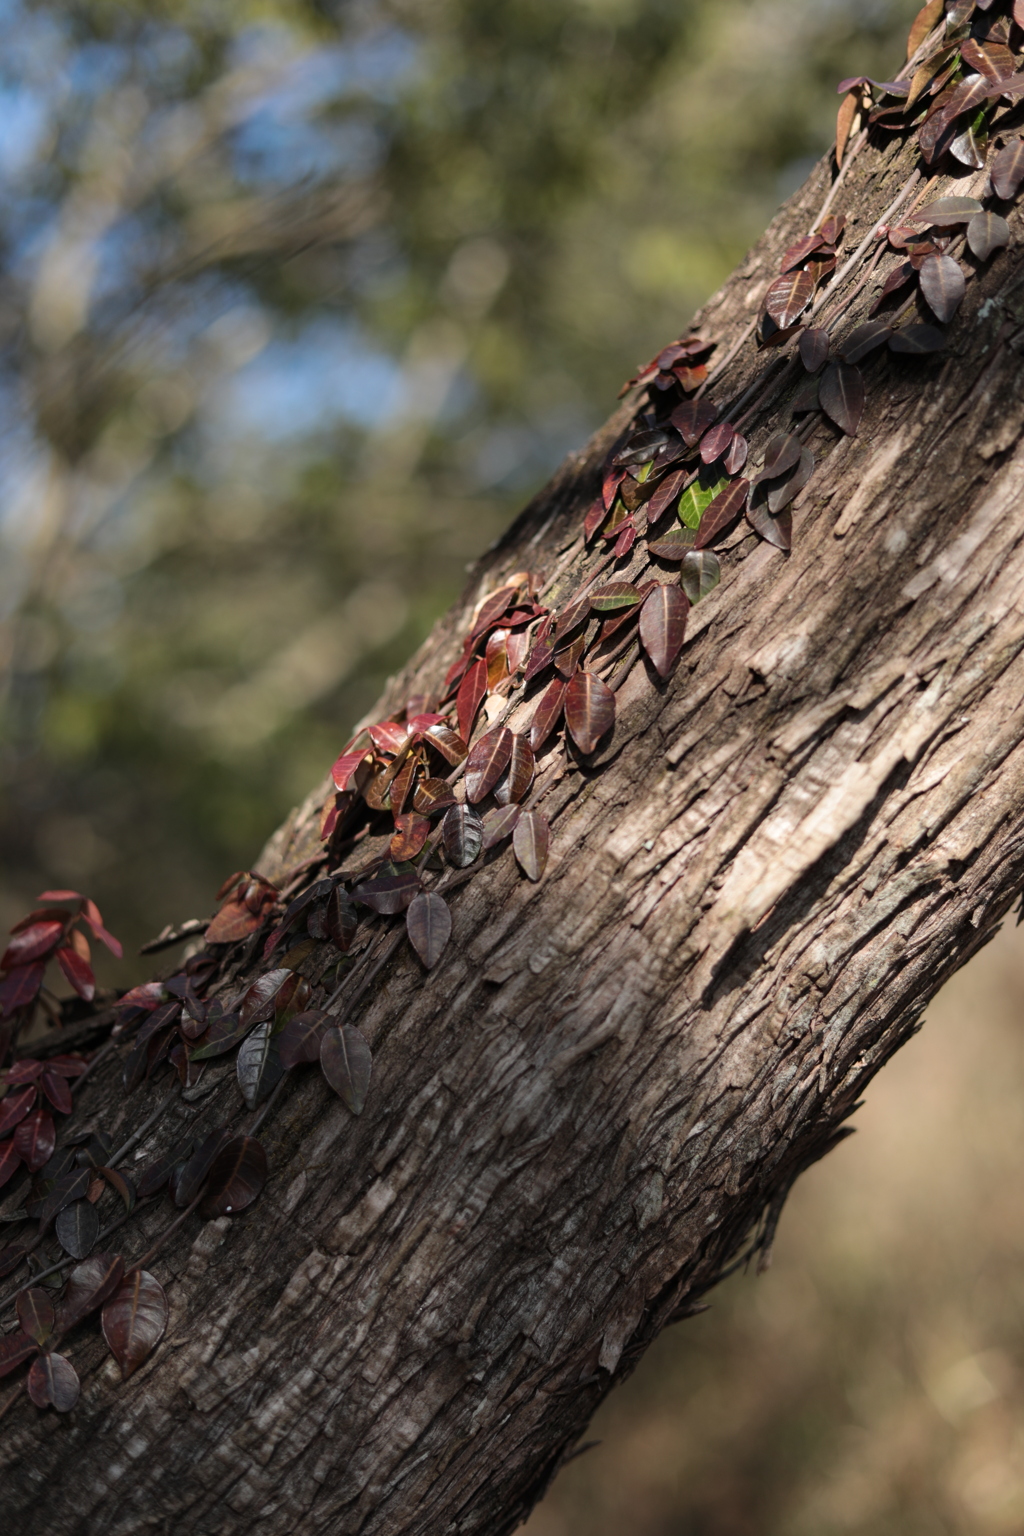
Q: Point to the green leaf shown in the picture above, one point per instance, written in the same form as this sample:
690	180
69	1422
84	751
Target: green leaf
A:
700	495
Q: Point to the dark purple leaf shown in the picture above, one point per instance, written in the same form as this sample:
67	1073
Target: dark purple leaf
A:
89	1286
35	1139
841	395
589	710
863	340
259	1001
1008	170
20	986
774	530
431	795
548	713
223	1035
77	971
692	419
15	1349
346	1063
462	834
31	943
943	285
300	1039
10	1161
917	340
666	493
388	894
258	1065
736	455
716	441
134	1320
191	1177
782	452
428	923
781	494
69	1186
53	1383
541	649
15	1107
516	783
57	1091
813	349
797	254
121	1184
238	1173
12	1255
78	1228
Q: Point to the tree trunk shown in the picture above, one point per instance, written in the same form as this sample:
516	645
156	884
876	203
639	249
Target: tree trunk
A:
579	1117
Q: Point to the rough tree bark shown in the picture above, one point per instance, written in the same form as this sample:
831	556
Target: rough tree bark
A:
611	1077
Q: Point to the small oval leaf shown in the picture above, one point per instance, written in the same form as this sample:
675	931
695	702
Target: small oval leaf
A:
35	1314
78	1228
53	1383
500	823
987	232
663	626
134	1320
699	574
943	285
727	506
258	1065
89	1285
487	762
788	296
841	395
462	834
300	1039
237	1174
531	841
347	1063
547	713
813	347
428	923
589	710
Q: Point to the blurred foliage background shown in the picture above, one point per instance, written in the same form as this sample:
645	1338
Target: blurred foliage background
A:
298	304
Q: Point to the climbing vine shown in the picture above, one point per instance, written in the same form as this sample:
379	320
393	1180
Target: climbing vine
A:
419	800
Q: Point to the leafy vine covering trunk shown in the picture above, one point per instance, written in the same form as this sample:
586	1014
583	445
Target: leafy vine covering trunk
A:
719	837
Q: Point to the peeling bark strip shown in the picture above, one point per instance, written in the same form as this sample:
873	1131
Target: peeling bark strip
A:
577	1116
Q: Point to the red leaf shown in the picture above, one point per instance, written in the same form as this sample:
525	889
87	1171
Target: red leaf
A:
57	1091
548	713
78	972
487	762
15	1107
593	520
134	1320
568	659
663	625
389	736
35	1139
60	896
788	297
387	894
613	478
432	795
148	995
625	541
736	456
500	823
530	843
346	768
727	506
234	921
841	393
666	493
492	608
91	914
496	657
53	1383
774	530
798	253
782	452
10	1161
27	1070
31	944
542	649
448	742
589	710
19	987
470	696
428	923
346	1063
238	1173
89	1285
65	1066
715	441
614	595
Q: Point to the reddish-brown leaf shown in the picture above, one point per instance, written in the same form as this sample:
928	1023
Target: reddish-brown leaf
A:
432	795
927	17
411	832
531	841
347	1063
666	493
782	452
692	419
428	922
782	493
813	346
70	1186
27	1070
487	762
674	544
663	625
614	595
594	518
35	1314
20	986
718	515
864	340
346	770
788	296
35	1139
500	823
77	1228
519	777
548	713
589	710
462	834
496	657
91	914
898	278
846	117
1008	170
716	441
841	395
541	650
492	608
57	1091
89	1285
237	1174
53	1383
736	454
15	1349
613	478
134	1320
259	1000
470	696
568	659
449	743
15	1107
234	921
31	943
797	254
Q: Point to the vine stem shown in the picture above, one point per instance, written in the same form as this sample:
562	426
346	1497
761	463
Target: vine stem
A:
10	1299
